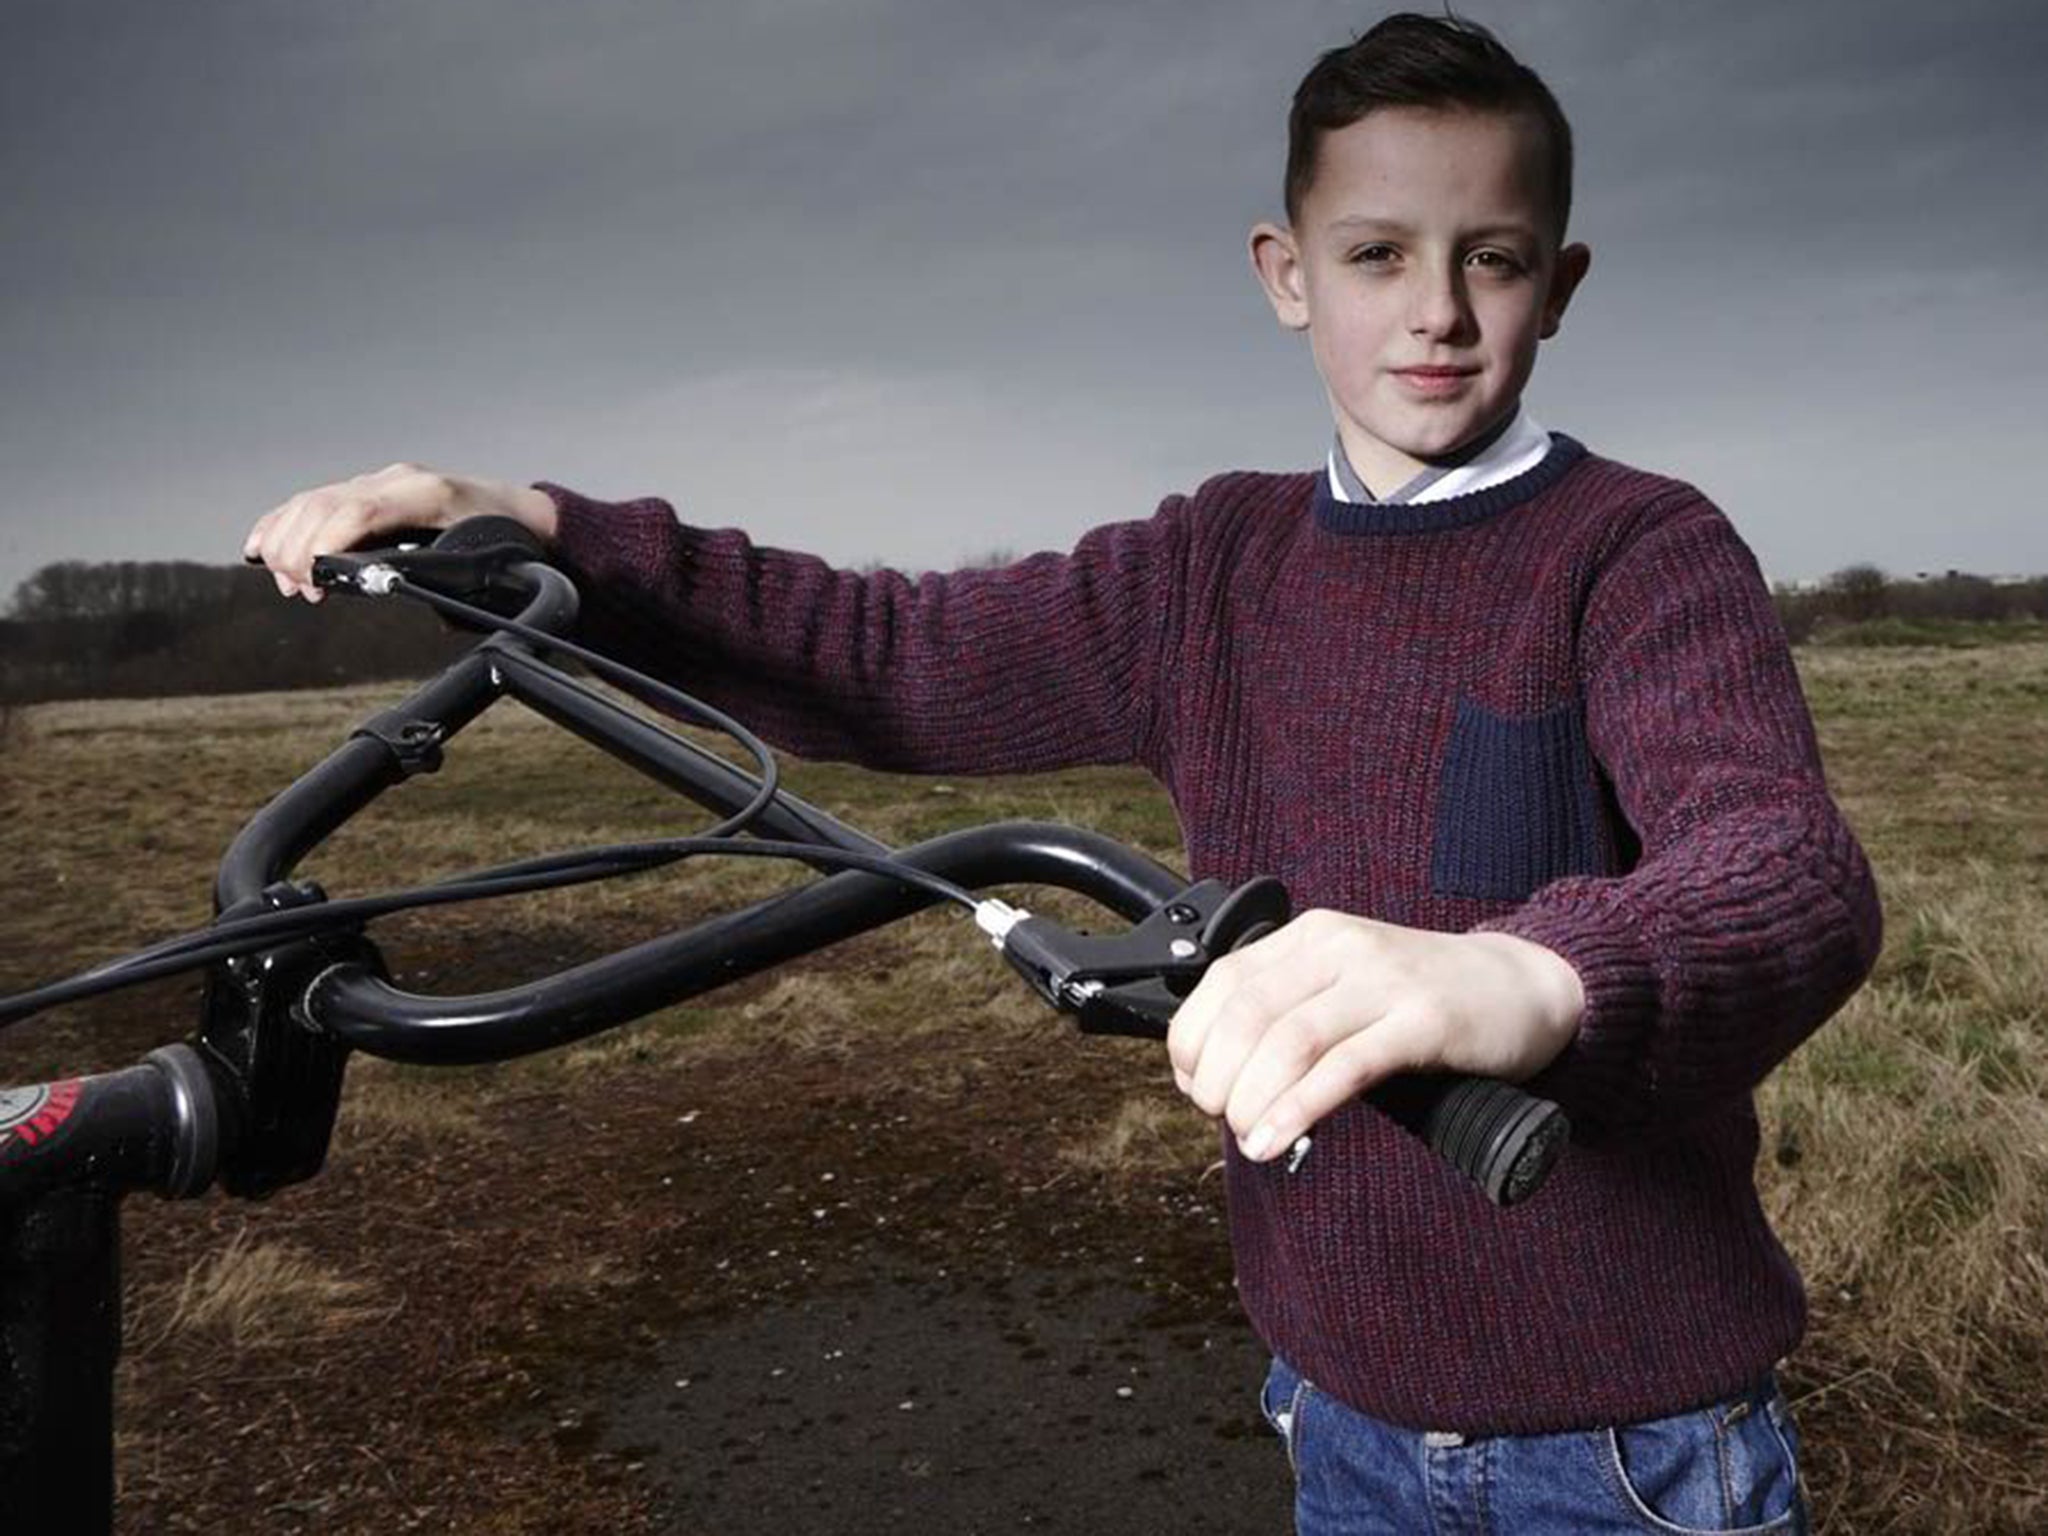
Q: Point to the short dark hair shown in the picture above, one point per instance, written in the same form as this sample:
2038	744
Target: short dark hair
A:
1421	61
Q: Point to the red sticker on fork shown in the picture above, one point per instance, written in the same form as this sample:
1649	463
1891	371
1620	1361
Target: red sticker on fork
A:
32	1114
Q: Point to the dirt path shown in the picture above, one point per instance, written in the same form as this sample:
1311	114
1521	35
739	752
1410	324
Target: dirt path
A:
808	1247
1036	1400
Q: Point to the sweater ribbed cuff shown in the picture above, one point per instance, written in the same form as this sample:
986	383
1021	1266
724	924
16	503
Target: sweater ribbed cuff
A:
1604	1074
601	542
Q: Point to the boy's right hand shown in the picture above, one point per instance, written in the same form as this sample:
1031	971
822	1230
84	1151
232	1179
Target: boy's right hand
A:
350	514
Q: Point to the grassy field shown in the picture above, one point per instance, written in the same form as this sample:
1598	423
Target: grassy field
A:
1909	1138
1906	1146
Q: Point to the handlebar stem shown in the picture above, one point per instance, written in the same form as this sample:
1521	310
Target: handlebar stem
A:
281	1080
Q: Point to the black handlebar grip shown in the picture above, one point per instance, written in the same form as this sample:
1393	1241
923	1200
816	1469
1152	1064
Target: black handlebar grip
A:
493	532
155	1125
1501	1137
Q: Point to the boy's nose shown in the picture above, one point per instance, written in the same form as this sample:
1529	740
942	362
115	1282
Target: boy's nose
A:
1439	308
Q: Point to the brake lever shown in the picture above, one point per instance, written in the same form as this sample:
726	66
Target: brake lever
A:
1133	983
472	559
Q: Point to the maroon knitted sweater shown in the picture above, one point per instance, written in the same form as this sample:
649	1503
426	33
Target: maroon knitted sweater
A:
1562	707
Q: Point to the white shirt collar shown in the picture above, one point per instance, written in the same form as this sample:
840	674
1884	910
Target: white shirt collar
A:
1516	451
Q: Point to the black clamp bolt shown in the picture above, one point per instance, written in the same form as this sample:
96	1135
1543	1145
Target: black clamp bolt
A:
415	744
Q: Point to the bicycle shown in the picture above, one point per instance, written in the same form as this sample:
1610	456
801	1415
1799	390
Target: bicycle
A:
293	986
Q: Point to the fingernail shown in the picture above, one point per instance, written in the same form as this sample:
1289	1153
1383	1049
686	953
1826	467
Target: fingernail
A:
1258	1144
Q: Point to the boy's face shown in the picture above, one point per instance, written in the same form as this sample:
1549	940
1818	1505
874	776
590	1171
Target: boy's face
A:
1425	268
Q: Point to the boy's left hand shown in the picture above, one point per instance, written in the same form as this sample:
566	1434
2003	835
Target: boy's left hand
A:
1281	1032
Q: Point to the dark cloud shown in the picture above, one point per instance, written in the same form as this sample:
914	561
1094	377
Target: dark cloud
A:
976	271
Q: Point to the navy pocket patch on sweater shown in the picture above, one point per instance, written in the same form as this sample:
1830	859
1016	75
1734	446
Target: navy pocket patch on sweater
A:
1518	805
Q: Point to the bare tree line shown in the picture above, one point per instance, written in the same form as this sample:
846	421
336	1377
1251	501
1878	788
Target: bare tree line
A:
136	629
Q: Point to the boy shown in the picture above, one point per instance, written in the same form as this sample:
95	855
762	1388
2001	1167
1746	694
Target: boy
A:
1519	725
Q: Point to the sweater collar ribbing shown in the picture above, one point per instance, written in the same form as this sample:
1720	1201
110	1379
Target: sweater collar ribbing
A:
1346	518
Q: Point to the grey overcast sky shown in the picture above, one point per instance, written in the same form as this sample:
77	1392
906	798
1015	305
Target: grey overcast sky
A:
917	279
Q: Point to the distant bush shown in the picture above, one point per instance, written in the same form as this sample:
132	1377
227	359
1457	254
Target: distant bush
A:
1859	594
1866	607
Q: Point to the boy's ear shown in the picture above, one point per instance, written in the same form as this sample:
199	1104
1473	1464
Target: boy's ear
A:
1276	261
1572	264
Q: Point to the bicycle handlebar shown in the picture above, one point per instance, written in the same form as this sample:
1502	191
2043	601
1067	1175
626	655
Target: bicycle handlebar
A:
289	1034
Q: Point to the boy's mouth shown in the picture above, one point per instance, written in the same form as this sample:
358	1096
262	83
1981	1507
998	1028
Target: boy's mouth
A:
1435	381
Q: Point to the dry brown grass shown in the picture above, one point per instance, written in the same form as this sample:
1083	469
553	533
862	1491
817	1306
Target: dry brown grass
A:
1147	1133
257	1293
1906	1144
382	1099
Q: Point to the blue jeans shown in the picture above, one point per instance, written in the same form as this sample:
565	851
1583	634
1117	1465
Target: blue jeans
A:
1730	1467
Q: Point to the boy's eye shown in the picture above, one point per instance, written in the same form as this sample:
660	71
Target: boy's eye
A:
1501	263
1373	255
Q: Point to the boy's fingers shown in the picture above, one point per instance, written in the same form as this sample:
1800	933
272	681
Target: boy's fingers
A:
252	542
333	523
1286	1051
1351	1067
347	515
257	545
295	557
1189	1031
271	536
1189	1026
1241	1019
